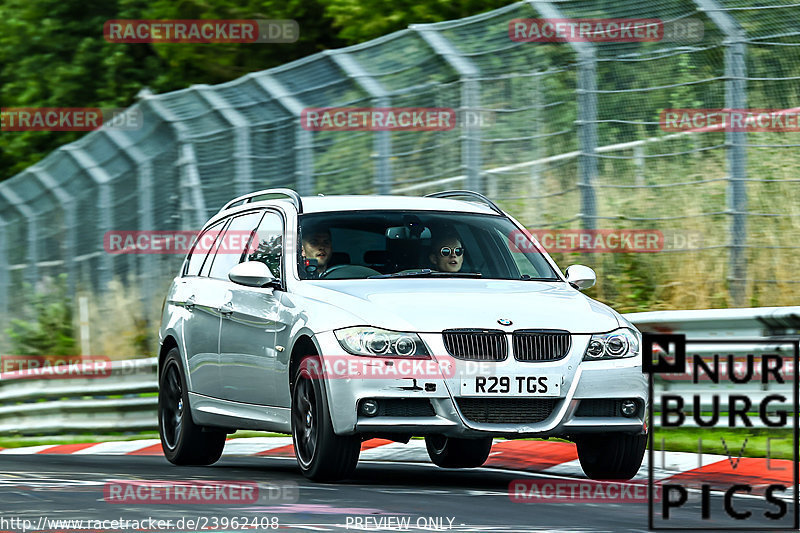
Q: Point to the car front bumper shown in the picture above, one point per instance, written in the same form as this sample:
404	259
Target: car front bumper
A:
580	381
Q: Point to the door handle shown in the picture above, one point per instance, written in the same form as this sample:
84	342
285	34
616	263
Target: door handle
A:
226	310
190	302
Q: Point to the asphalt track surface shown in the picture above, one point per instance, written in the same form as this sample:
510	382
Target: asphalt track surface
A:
431	499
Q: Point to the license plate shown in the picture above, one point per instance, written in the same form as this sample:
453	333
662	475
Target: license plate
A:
540	386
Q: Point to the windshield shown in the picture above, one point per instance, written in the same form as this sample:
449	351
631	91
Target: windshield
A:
374	244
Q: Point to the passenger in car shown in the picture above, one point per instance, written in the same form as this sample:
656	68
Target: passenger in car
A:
447	253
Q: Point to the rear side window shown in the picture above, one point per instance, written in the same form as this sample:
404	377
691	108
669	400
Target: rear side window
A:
229	249
200	250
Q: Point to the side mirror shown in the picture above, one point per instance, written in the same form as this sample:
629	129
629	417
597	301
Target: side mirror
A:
251	274
581	277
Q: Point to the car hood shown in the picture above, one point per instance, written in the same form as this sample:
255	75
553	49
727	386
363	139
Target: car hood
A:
431	305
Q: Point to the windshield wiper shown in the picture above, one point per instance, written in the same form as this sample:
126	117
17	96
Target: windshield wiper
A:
428	273
526	277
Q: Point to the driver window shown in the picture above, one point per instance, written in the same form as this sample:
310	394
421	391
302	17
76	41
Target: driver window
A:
267	246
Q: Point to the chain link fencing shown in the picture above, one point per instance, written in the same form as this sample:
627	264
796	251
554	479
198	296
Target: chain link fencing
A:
574	140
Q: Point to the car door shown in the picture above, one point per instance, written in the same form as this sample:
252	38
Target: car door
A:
251	322
201	299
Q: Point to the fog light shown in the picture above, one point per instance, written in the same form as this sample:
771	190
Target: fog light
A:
369	407
628	408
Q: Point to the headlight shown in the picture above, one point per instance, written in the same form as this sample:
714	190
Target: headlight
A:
362	340
619	343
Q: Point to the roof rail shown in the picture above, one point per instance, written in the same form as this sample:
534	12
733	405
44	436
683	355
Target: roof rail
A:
247	198
471	194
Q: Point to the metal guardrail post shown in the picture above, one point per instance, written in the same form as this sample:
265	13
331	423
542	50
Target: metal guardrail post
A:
68	251
103	181
587	117
242	151
735	98
470	100
304	154
382	139
193	205
32	272
144	169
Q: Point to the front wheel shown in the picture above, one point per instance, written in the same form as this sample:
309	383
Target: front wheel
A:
321	454
611	456
183	442
448	452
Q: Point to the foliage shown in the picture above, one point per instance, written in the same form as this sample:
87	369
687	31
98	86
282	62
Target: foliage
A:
50	329
53	54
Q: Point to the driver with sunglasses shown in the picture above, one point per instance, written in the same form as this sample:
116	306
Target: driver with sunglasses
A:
447	253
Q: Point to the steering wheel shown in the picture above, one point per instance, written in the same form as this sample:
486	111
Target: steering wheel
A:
352	271
334	268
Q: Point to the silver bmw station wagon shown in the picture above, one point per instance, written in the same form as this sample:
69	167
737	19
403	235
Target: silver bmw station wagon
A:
343	318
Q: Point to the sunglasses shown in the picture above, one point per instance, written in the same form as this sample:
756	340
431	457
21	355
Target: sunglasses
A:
446	251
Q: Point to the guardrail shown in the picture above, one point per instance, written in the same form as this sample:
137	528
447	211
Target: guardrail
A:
125	399
122	399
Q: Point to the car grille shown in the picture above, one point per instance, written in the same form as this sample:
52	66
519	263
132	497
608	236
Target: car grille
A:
541	344
409	407
506	410
476	344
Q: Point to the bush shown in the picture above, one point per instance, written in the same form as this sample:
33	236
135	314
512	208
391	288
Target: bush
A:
48	328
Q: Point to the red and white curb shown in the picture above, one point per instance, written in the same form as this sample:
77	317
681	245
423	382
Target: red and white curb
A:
542	457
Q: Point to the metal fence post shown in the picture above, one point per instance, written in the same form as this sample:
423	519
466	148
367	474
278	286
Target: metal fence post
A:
736	141
104	205
193	204
242	152
587	135
144	189
68	207
587	118
470	100
304	154
535	205
736	98
32	272
4	277
382	140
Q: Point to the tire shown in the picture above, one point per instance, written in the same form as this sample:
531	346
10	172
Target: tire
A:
321	454
448	452
611	456
183	442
